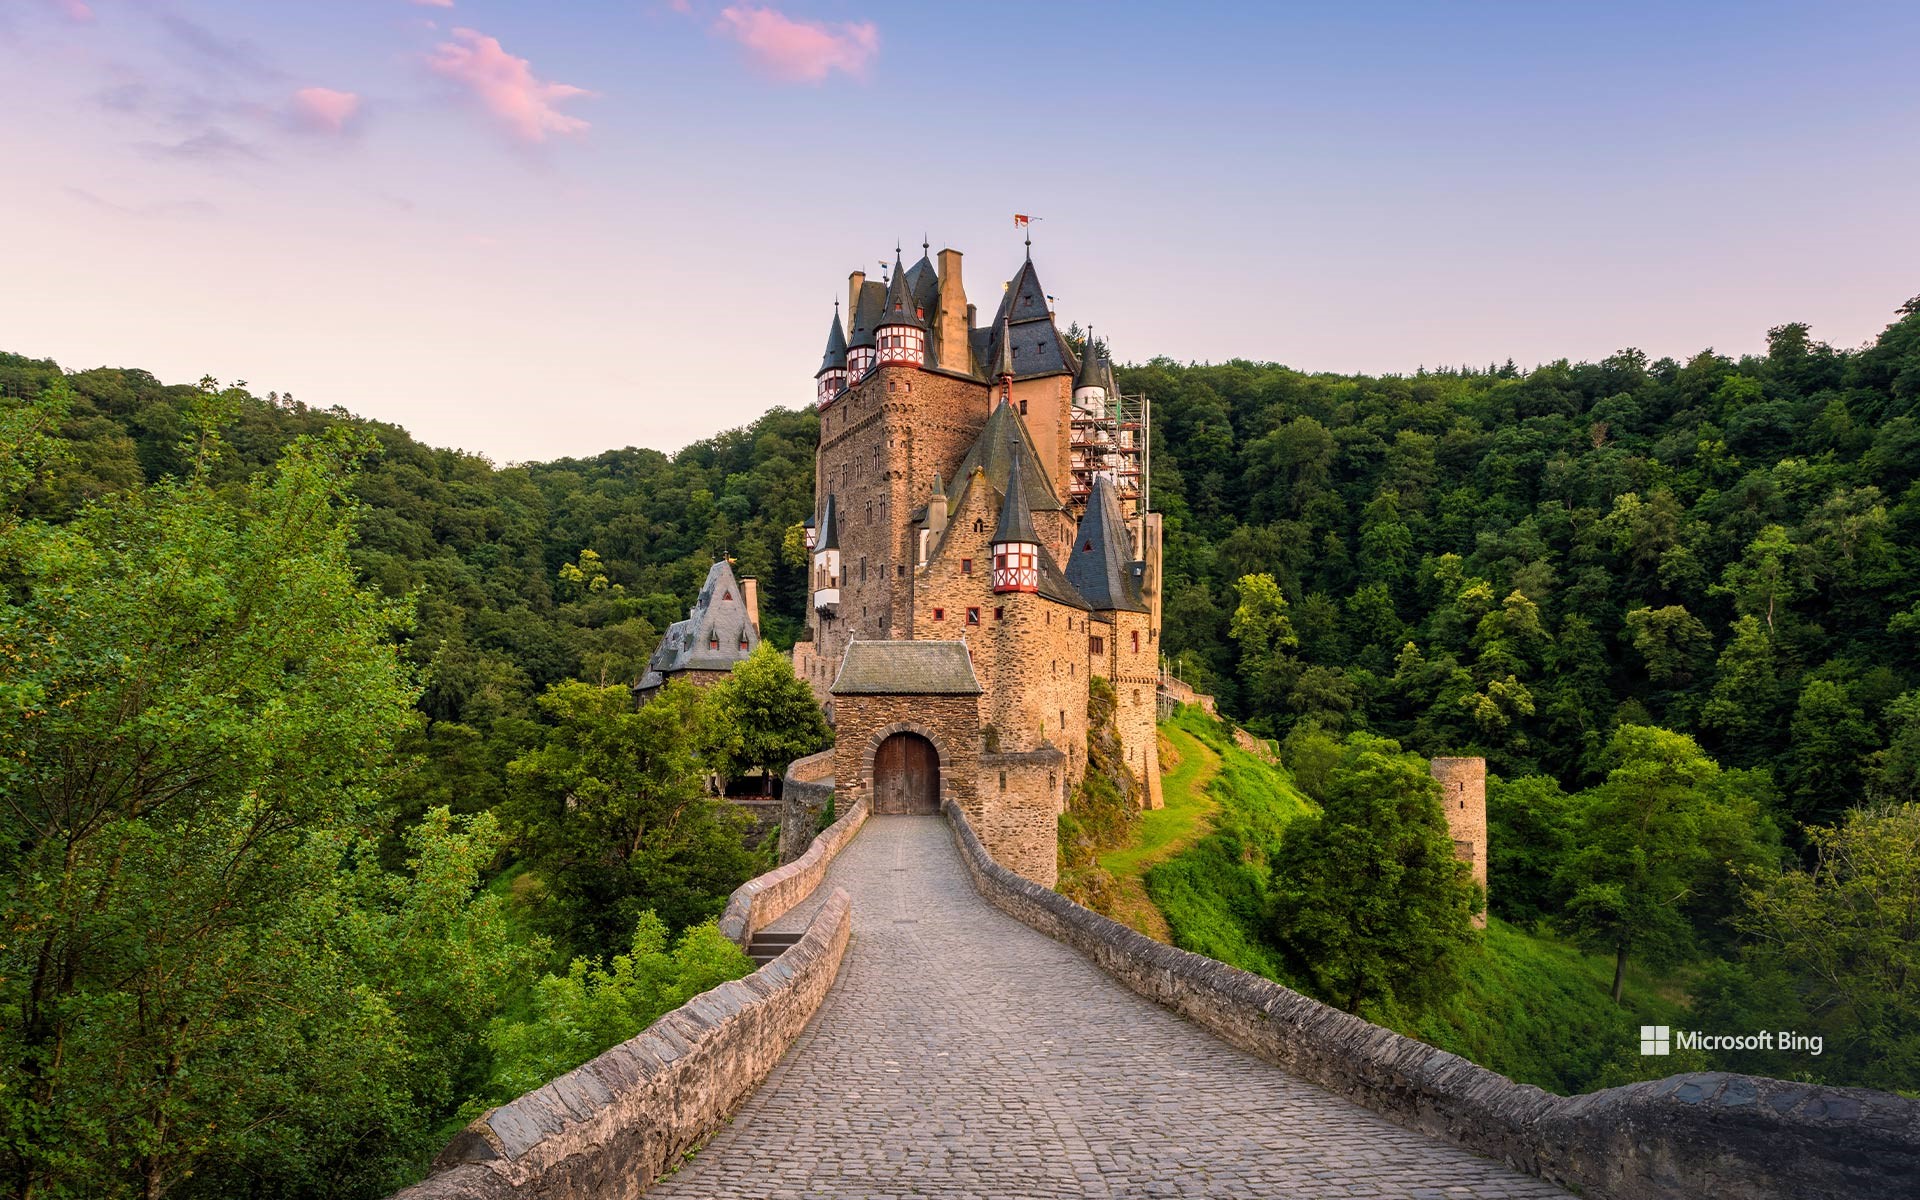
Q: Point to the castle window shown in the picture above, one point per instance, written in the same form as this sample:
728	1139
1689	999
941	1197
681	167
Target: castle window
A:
901	570
979	526
713	642
726	595
999	614
1136	641
863	569
966	566
1023	408
1097	644
973	616
1063	718
1003	781
939	614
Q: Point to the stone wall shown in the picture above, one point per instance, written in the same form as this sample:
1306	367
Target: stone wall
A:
1707	1134
803	797
608	1130
1463	797
951	723
762	900
1017	811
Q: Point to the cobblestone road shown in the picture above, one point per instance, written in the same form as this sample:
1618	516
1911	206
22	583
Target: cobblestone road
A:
961	1053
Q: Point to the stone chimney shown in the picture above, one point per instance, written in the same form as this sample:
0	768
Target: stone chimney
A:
1463	795
855	281
950	339
750	593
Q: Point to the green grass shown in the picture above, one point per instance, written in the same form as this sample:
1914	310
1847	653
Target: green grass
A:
1529	1006
1188	807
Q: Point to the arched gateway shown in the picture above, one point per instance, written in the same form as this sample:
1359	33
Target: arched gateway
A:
906	775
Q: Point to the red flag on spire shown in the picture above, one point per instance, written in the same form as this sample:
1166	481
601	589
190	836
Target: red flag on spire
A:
1020	220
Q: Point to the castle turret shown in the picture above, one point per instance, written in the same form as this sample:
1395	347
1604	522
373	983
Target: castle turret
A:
901	332
826	561
831	379
1090	385
1016	546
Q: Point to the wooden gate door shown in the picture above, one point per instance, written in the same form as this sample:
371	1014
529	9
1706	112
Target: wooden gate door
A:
906	775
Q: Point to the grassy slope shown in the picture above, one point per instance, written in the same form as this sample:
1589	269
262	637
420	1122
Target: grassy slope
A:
1530	1007
1188	807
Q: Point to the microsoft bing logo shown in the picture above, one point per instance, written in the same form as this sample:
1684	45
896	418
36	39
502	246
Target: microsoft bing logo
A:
1655	1039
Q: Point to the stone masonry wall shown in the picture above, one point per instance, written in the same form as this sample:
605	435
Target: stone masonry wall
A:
1687	1136
1463	796
804	793
951	723
764	899
1015	814
608	1130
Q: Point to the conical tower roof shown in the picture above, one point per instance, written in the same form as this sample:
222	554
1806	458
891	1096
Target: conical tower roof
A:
835	359
1016	523
900	307
1100	566
1090	374
1003	357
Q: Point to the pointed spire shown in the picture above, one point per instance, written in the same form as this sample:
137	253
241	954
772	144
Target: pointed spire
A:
1089	376
937	489
900	307
1003	359
1016	523
835	359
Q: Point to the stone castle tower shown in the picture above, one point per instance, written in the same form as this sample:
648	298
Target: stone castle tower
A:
1463	795
981	547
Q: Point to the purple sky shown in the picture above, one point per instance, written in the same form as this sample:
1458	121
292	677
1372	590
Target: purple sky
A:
545	229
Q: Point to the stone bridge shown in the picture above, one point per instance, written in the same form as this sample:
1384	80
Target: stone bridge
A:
984	1037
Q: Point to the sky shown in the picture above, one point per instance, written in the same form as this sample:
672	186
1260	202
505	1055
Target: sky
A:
533	230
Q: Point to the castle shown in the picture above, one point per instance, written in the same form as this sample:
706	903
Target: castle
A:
981	548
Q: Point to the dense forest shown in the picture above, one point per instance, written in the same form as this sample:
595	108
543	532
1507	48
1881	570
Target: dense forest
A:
329	816
1687	587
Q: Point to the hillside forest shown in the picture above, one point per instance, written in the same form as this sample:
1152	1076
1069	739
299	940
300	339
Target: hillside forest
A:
331	820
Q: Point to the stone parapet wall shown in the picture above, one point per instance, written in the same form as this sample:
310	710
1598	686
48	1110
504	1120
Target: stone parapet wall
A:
764	899
1705	1134
804	794
608	1130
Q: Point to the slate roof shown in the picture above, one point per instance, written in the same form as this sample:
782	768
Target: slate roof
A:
1100	566
1090	374
829	526
919	668
719	614
1015	523
924	282
835	358
866	314
899	307
1002	439
1053	581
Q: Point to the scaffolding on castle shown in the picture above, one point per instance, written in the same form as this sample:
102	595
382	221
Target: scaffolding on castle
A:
1110	438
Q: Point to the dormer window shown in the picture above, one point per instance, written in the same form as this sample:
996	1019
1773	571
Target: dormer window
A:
713	641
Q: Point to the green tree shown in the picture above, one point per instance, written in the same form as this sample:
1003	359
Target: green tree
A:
614	812
1369	902
765	716
1845	935
1265	635
1830	739
200	702
1527	841
1652	846
1747	694
597	1005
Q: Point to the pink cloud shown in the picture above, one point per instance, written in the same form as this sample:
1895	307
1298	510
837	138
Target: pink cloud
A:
800	51
75	10
324	110
506	86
